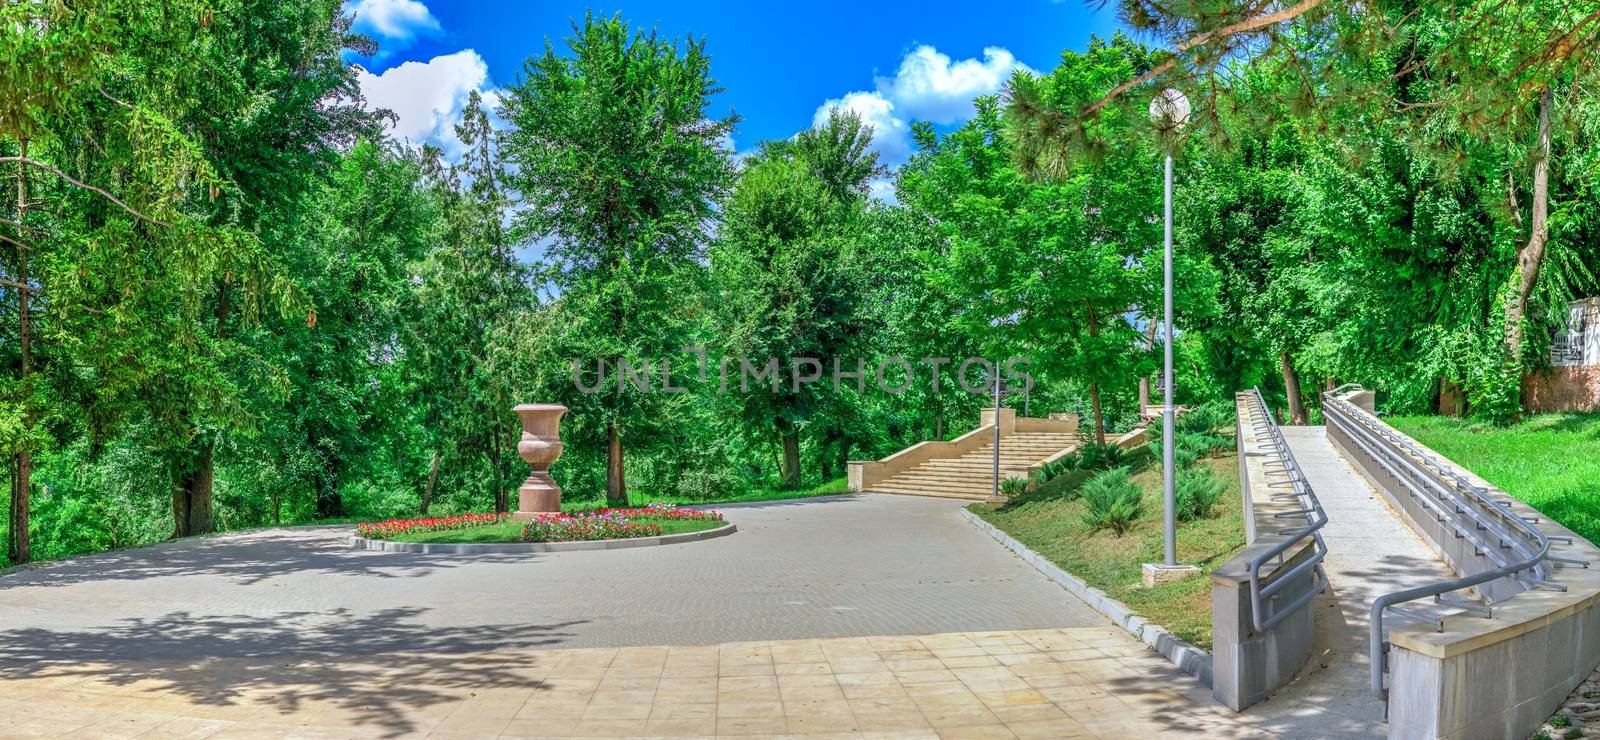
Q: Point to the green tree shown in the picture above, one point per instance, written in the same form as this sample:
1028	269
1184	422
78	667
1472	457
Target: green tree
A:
90	124
1478	85
470	290
619	166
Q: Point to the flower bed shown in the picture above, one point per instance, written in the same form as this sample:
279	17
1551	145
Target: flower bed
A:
612	524
578	526
390	528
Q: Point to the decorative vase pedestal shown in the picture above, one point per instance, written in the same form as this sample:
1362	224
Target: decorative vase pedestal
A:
540	446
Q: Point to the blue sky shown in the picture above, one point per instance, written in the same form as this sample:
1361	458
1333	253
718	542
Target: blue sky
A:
781	63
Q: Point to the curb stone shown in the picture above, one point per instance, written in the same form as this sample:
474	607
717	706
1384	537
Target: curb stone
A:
483	548
1186	657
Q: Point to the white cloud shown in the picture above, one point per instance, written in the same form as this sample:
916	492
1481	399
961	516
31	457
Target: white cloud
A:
928	86
396	20
427	97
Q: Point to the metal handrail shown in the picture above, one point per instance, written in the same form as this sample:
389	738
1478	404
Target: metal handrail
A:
1299	491
1467	504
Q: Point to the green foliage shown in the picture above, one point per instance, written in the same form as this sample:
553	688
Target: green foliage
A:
1522	458
1112	501
1216	416
1098	457
1056	468
1197	491
1013	486
247	307
619	165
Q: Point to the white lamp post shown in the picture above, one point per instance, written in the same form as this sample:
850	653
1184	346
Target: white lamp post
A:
1168	111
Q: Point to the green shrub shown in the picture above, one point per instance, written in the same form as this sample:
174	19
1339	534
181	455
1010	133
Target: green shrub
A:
1114	501
1055	468
1099	457
1013	486
1197	491
1203	443
1188	446
1208	417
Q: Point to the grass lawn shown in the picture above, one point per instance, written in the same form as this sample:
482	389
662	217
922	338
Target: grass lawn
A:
828	488
1550	461
510	531
1052	526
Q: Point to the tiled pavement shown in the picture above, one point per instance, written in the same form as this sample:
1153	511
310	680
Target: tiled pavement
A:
289	633
1049	683
837	566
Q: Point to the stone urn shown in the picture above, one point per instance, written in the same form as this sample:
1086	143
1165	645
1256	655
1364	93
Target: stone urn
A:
540	446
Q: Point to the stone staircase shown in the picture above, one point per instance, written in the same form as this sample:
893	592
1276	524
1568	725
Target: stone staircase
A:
971	475
964	467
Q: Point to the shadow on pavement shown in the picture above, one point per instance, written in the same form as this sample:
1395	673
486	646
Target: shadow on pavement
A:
380	669
246	558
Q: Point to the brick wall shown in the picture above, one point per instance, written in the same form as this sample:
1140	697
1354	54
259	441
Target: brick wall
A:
1568	388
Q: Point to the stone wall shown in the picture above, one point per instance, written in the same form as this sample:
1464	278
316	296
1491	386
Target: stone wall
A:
1495	677
1568	388
1248	666
1572	382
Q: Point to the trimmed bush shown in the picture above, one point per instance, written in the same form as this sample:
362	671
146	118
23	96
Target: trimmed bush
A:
1197	491
1099	457
1055	468
1113	501
1208	417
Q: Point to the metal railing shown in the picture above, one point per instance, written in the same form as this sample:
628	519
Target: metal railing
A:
1477	514
1289	477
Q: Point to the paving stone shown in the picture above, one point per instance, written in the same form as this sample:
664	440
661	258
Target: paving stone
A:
285	633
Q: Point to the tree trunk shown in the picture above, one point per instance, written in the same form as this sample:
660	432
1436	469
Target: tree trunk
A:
191	500
1531	256
789	437
1291	385
502	498
1094	388
433	479
616	487
1099	420
18	548
330	503
938	426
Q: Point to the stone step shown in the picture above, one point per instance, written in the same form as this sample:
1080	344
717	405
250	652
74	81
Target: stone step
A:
986	458
929	492
971	474
949	484
983	482
1042	452
1006	461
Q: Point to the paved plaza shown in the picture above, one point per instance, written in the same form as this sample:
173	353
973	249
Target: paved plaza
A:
839	566
844	615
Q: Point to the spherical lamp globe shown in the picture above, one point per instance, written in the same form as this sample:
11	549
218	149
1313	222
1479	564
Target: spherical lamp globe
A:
1169	109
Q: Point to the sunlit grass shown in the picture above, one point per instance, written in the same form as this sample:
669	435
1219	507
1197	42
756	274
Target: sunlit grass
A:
827	488
1550	461
1052	526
